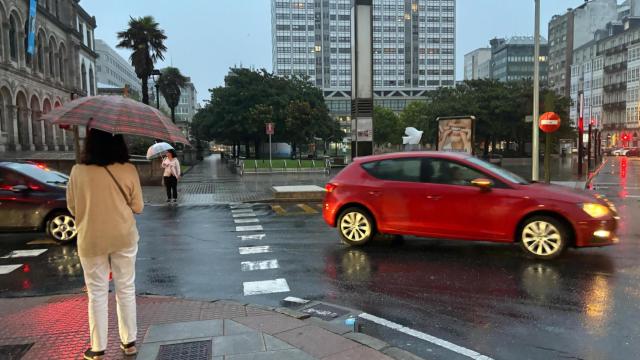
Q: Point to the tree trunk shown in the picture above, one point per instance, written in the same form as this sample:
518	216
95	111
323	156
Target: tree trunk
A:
173	114
256	143
486	145
145	91
493	143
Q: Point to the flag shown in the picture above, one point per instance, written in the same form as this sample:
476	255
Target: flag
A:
31	40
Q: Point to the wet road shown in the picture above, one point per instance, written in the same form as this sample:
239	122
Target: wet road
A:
485	297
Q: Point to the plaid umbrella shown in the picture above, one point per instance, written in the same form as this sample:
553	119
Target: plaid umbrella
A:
117	115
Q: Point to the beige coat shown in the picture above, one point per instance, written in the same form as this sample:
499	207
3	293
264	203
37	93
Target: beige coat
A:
105	221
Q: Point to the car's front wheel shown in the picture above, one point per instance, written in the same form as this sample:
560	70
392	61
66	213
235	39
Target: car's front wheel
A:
356	226
62	227
543	237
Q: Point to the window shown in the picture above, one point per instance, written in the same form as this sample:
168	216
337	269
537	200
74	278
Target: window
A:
13	39
395	169
439	171
83	73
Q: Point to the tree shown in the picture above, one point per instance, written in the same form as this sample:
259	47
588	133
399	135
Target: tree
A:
170	84
146	40
388	128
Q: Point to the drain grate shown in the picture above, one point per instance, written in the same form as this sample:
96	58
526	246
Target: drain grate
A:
195	350
14	352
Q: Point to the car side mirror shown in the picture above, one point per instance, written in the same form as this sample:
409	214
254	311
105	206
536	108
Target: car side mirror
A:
482	184
19	188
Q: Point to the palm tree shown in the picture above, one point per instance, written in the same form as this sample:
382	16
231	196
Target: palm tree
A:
146	40
171	82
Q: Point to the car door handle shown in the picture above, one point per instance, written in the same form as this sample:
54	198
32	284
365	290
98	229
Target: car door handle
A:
434	197
374	193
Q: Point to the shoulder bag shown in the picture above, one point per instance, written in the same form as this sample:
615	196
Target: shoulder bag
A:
124	195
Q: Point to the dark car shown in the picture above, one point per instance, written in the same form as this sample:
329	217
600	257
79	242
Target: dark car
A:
33	198
633	152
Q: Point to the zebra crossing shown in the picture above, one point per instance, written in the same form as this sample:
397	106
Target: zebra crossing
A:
251	236
17	255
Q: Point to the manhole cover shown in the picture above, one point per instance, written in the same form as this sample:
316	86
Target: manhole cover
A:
325	312
14	352
195	350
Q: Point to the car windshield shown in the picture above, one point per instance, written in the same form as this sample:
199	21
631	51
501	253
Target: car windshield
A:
506	174
44	175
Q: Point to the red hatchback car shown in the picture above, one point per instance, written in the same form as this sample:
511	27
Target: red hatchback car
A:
457	196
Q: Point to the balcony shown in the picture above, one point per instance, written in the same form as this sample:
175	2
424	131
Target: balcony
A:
621	66
621	86
620	106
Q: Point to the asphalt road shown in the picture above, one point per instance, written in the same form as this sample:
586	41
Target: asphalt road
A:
485	297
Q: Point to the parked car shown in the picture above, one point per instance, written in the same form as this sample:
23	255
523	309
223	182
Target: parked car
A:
620	152
33	198
633	152
457	196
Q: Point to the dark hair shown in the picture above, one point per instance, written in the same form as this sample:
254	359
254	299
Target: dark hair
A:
102	148
173	152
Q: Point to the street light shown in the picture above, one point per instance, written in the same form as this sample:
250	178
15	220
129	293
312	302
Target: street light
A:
156	74
535	163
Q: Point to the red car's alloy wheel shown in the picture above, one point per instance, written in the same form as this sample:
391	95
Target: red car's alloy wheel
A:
355	226
543	237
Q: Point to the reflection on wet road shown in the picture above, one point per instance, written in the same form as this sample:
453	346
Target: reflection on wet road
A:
485	297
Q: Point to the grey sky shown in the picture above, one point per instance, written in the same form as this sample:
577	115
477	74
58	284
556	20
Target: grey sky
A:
206	37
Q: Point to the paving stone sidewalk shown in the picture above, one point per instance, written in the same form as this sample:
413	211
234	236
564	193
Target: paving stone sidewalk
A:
56	327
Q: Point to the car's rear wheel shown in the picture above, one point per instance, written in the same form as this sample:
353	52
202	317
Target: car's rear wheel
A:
62	227
356	226
543	237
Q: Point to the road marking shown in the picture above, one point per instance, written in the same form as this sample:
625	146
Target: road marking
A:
5	269
307	209
245	221
43	242
247	250
24	253
241	206
241	211
319	206
259	265
633	196
252	237
249	228
265	287
295	300
243	215
278	209
426	337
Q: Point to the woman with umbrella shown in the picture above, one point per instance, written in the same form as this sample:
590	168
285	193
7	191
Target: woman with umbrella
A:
171	175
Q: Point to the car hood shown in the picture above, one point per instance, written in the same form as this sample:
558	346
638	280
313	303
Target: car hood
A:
563	193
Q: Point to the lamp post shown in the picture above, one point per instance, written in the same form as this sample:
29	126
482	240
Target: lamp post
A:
535	142
156	74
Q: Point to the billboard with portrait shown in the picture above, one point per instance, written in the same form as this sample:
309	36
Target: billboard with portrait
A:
455	134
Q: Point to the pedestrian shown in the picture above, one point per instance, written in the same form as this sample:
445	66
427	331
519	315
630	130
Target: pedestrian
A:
103	194
171	175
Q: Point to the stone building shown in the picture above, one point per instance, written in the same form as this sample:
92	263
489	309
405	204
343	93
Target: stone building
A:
62	67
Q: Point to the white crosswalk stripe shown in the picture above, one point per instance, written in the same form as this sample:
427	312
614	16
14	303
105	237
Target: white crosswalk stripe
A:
265	287
259	265
241	211
248	250
24	253
244	215
6	269
249	228
246	221
252	237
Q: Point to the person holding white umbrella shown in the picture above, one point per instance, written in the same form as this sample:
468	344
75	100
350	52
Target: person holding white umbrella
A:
171	167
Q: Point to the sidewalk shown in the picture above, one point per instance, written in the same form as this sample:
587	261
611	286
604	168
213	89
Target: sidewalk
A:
212	182
170	328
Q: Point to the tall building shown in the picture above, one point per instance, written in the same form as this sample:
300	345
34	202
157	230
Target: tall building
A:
606	73
512	59
477	64
413	44
113	70
560	53
61	67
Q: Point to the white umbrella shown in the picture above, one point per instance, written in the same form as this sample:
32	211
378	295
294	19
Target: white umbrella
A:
156	150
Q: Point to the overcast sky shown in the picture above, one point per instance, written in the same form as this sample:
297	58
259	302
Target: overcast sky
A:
206	37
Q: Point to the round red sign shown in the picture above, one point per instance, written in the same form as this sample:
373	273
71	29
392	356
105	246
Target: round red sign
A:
549	122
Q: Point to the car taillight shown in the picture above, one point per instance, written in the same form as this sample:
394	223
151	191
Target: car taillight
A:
330	187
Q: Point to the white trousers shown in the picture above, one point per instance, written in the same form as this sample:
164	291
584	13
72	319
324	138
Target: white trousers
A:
122	264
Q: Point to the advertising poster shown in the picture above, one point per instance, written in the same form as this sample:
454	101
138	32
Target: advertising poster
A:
455	134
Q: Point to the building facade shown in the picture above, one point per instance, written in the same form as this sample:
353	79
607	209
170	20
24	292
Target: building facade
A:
606	73
413	45
114	71
560	53
62	67
477	64
187	106
512	59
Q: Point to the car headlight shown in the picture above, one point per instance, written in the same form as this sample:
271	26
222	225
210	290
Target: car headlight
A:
595	210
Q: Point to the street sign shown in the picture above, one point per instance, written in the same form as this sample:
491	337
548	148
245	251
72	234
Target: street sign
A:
270	127
549	122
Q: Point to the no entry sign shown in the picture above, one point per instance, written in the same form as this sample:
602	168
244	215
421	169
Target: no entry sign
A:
270	128
549	122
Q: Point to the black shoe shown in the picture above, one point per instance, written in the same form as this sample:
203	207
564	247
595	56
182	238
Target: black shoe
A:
93	355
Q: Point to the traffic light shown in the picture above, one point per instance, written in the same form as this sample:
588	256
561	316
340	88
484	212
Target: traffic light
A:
625	137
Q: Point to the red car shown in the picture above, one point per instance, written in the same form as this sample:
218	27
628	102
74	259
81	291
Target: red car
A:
457	196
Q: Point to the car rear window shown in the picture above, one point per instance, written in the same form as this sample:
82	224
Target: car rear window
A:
45	175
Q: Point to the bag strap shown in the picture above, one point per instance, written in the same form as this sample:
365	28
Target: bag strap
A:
124	195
